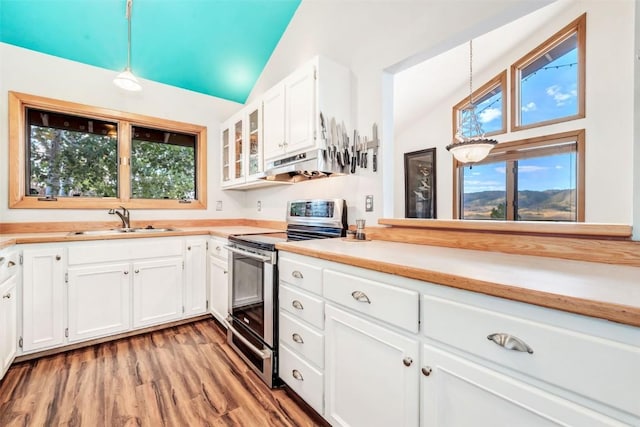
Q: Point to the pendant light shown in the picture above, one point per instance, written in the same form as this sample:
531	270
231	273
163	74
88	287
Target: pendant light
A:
474	147
126	80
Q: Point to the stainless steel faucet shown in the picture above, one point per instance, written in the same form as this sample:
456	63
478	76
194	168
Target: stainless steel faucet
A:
124	216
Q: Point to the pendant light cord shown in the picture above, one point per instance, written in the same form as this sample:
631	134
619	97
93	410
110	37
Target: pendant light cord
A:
471	73
128	14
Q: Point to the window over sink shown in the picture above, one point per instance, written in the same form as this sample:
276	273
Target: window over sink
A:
68	155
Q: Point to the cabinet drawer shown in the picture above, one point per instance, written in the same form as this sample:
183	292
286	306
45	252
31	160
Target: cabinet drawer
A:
302	338
124	251
600	369
216	248
305	380
8	264
303	305
390	304
300	274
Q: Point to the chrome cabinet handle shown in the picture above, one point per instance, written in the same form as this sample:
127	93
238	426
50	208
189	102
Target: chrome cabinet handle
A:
126	272
6	296
297	338
58	257
218	248
297	274
407	361
297	375
297	304
360	297
11	264
137	271
510	342
188	248
426	371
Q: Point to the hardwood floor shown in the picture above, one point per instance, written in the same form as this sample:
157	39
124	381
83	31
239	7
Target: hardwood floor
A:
181	376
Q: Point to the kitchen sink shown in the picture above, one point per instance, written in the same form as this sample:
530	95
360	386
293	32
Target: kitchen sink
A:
113	231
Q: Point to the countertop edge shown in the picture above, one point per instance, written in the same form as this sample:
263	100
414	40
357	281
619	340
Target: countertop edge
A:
604	310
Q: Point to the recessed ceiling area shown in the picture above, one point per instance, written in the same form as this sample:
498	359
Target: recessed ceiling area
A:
216	47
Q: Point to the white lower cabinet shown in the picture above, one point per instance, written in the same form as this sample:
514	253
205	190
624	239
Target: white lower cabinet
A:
157	291
456	392
470	359
43	298
195	283
218	288
371	373
99	301
8	322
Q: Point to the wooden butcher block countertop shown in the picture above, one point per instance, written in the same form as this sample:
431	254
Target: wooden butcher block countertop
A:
600	290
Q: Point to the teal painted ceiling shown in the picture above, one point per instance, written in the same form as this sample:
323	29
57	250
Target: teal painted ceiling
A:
216	47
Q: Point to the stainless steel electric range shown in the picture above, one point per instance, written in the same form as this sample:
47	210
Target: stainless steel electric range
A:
252	324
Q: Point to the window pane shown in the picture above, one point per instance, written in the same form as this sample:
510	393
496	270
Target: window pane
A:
549	85
71	156
484	191
547	188
163	164
488	112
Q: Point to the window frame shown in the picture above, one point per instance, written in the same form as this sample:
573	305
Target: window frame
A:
579	27
499	81
18	199
510	151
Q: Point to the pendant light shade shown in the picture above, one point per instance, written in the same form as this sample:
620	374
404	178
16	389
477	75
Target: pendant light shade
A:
470	144
126	80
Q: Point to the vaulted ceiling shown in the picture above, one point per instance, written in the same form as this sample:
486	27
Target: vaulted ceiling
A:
215	47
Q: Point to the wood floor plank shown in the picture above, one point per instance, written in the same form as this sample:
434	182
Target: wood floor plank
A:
181	376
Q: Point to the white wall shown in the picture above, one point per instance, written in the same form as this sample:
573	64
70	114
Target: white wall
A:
609	102
636	130
26	71
370	37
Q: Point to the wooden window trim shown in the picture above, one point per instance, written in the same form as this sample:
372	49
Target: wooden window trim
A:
18	102
579	27
509	151
499	81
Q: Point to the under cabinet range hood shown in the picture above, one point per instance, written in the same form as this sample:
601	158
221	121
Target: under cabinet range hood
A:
302	167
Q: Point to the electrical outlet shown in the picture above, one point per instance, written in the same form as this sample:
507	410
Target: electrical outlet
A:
219	205
368	203
259	206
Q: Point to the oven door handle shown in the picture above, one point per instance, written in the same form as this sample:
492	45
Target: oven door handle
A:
261	354
248	254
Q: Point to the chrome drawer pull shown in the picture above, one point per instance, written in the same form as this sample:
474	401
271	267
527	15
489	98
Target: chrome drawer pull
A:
426	371
11	264
297	338
360	297
297	274
6	296
297	304
297	375
510	342
407	361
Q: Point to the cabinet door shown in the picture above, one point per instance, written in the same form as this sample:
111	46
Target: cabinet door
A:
372	376
227	154
218	289
457	392
8	323
237	161
273	123
43	298
98	301
253	125
300	91
157	291
195	286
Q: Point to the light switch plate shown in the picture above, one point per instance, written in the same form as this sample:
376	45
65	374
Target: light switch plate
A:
368	203
259	206
219	205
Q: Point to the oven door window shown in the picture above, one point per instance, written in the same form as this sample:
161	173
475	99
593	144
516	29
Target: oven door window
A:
247	293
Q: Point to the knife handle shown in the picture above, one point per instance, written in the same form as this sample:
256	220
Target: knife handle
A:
374	162
353	164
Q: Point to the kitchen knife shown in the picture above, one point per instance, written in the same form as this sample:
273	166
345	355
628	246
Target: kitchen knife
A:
339	145
345	141
353	151
323	135
375	145
334	139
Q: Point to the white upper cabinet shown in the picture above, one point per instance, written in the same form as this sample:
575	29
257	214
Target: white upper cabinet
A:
233	148
291	109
